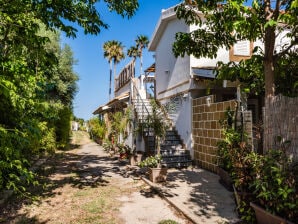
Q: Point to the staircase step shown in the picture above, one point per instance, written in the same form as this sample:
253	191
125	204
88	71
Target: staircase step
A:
169	153
171	148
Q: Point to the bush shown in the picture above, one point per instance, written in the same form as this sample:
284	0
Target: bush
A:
275	186
151	161
97	128
63	128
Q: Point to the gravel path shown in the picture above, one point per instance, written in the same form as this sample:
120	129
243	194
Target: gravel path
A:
143	205
86	185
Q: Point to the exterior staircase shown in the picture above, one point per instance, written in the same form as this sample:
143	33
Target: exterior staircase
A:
173	151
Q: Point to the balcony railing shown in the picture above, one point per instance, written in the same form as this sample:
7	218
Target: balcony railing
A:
125	76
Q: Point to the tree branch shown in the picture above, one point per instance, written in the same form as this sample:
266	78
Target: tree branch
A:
278	55
276	11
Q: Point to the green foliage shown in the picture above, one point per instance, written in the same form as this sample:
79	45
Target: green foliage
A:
82	13
107	145
270	179
248	72
156	120
168	221
233	153
275	185
113	52
37	81
63	127
287	75
151	161
97	128
221	25
231	140
125	149
14	172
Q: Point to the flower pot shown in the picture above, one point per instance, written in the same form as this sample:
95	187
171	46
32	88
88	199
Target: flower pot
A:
138	157
264	217
158	174
225	179
132	160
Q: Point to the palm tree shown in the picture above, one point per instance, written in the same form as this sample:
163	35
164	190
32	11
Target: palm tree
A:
133	52
113	51
107	54
142	42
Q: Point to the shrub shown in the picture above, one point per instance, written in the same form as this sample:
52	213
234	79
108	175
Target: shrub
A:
275	186
151	161
97	128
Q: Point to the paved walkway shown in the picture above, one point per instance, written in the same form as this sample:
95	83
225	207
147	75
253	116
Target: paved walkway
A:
194	192
198	195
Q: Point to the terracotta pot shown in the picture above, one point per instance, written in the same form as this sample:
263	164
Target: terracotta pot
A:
138	157
225	179
264	217
158	174
132	160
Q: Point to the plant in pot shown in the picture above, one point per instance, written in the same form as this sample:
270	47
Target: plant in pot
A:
131	154
123	150
234	168
231	139
158	124
244	161
276	189
157	173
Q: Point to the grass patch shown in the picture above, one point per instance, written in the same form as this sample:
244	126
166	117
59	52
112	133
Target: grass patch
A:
97	205
168	221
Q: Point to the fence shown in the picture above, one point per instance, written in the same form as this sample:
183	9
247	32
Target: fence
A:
281	120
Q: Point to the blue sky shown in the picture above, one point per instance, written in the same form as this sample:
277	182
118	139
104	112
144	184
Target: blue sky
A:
93	68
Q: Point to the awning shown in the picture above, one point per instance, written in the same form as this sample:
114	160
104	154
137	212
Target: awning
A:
150	69
204	72
112	104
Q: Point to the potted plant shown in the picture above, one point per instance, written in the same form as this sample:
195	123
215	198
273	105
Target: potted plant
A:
276	189
234	166
230	141
135	157
157	173
157	122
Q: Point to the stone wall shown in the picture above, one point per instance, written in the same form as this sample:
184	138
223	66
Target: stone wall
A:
206	129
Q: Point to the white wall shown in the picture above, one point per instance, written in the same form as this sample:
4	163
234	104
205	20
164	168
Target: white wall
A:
222	55
181	118
170	71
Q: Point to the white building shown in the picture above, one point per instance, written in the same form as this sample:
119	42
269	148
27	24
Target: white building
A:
178	80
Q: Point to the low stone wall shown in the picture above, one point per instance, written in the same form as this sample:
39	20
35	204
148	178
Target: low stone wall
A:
207	130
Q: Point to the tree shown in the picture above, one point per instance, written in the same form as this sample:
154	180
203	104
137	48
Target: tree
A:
37	83
142	42
133	52
231	21
56	15
113	51
107	47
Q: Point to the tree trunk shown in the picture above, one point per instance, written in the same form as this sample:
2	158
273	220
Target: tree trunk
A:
269	42
114	76
110	89
141	62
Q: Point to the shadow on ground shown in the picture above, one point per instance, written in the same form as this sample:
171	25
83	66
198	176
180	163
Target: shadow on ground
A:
64	168
206	195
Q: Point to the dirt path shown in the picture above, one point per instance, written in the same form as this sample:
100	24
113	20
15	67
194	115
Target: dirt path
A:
85	185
